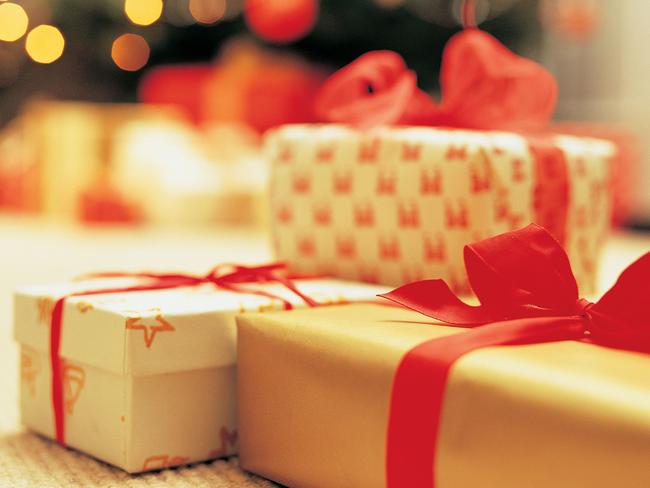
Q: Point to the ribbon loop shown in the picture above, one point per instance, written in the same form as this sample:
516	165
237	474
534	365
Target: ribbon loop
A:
377	88
520	274
486	86
523	269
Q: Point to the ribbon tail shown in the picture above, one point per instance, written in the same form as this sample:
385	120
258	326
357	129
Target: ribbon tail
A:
56	363
291	286
419	385
435	299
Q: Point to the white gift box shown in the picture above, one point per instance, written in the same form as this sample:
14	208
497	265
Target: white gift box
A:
148	376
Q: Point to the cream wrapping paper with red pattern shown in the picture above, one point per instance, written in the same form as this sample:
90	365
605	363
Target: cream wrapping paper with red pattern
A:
397	204
148	376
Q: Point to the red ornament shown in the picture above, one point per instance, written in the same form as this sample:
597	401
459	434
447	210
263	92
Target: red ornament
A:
281	20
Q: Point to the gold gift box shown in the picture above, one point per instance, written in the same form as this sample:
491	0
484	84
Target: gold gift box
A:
315	385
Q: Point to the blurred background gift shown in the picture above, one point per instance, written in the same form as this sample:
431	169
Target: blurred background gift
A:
137	112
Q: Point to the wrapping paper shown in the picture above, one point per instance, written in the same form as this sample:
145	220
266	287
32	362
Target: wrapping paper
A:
149	376
395	205
625	166
314	390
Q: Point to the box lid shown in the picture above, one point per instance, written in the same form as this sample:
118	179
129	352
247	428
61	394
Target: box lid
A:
157	331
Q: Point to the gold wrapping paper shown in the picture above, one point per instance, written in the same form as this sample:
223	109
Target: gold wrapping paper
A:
314	390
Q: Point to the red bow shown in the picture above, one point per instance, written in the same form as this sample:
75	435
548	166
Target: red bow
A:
528	295
227	276
484	86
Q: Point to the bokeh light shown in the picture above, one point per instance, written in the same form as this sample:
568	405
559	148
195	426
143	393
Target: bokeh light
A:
13	21
281	22
207	11
143	12
130	52
45	44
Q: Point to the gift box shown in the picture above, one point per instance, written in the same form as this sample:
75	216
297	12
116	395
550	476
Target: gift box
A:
146	376
393	205
393	187
18	188
73	148
222	180
365	395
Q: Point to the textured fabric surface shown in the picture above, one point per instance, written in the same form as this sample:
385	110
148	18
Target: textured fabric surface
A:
27	460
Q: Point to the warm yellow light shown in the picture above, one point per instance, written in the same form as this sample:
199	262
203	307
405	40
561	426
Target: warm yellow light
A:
207	11
45	44
13	22
130	52
143	12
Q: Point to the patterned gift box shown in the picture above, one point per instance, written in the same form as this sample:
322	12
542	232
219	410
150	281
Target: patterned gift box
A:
397	204
148	376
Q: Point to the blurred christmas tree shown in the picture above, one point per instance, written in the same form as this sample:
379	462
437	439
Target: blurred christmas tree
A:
343	30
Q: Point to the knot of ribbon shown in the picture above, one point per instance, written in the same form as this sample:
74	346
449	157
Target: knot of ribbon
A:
528	295
582	307
483	84
233	277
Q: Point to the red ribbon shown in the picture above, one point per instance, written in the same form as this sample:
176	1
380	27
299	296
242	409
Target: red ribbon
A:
528	295
484	86
227	276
